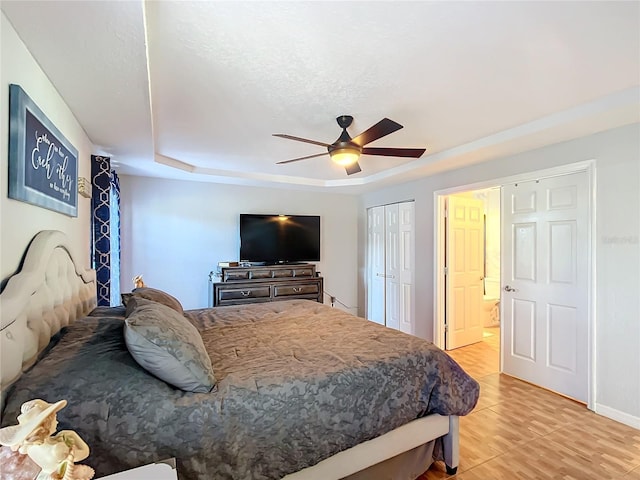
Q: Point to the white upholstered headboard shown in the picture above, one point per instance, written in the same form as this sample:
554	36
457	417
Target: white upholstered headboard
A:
50	291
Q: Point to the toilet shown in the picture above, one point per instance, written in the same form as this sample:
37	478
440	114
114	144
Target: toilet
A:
491	312
491	303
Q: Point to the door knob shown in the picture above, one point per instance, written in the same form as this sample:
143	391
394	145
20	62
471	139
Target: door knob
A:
507	288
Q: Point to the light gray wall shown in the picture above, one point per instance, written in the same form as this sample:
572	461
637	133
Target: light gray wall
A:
617	155
174	233
20	221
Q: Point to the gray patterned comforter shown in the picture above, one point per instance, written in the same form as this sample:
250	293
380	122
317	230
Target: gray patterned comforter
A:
298	382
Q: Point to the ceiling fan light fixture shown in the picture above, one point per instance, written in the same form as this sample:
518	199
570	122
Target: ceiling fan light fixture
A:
346	151
345	156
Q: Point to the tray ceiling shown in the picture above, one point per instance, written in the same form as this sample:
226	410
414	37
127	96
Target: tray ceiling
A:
195	90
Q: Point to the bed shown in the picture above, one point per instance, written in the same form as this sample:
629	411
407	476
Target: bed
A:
302	391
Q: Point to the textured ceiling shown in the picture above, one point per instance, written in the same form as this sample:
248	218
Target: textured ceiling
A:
196	89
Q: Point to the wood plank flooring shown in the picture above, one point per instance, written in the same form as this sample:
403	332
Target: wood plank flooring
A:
522	432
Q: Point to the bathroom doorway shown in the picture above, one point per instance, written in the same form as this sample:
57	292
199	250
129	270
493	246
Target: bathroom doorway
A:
472	261
535	332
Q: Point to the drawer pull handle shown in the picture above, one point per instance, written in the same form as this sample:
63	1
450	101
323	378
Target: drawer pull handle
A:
297	289
245	293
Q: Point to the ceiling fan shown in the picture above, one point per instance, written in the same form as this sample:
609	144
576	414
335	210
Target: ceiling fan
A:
346	151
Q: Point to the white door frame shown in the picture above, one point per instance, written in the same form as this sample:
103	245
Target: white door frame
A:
587	166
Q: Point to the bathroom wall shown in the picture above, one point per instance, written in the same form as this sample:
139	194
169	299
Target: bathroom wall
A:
492	242
491	199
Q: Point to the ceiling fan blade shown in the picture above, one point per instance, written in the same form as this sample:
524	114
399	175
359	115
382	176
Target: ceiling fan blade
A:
394	152
382	128
302	158
298	139
353	168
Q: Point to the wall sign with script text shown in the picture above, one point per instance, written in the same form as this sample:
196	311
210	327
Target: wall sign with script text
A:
43	165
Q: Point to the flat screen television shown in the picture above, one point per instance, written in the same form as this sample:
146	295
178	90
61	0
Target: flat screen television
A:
279	238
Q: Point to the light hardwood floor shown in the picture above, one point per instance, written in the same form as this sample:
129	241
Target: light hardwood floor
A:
522	432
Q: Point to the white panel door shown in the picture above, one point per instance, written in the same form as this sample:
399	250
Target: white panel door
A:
406	221
392	266
545	283
464	260
376	265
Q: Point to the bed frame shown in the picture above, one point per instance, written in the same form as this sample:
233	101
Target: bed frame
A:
52	290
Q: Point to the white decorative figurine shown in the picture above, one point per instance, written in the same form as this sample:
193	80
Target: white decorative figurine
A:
56	454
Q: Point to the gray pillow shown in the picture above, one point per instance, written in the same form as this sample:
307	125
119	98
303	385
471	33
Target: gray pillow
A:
168	346
124	298
157	296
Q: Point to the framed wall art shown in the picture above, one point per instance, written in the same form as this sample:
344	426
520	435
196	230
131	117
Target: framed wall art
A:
43	165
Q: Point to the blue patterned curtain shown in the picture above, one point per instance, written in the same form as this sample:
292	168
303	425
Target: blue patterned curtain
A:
115	239
105	205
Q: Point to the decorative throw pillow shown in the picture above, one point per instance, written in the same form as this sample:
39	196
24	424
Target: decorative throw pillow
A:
133	303
168	346
124	298
158	296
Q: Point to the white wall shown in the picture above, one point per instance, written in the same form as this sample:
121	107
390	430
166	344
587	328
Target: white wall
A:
617	155
21	221
174	233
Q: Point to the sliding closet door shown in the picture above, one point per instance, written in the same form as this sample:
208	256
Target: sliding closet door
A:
390	268
406	269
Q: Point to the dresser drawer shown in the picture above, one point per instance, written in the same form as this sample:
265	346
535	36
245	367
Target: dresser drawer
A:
229	275
263	291
282	273
290	289
304	272
260	273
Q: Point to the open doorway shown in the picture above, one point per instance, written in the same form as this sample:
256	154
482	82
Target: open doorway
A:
472	265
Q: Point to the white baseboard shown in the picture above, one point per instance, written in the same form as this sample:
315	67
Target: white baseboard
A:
618	416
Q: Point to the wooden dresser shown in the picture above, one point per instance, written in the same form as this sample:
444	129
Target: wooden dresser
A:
269	283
